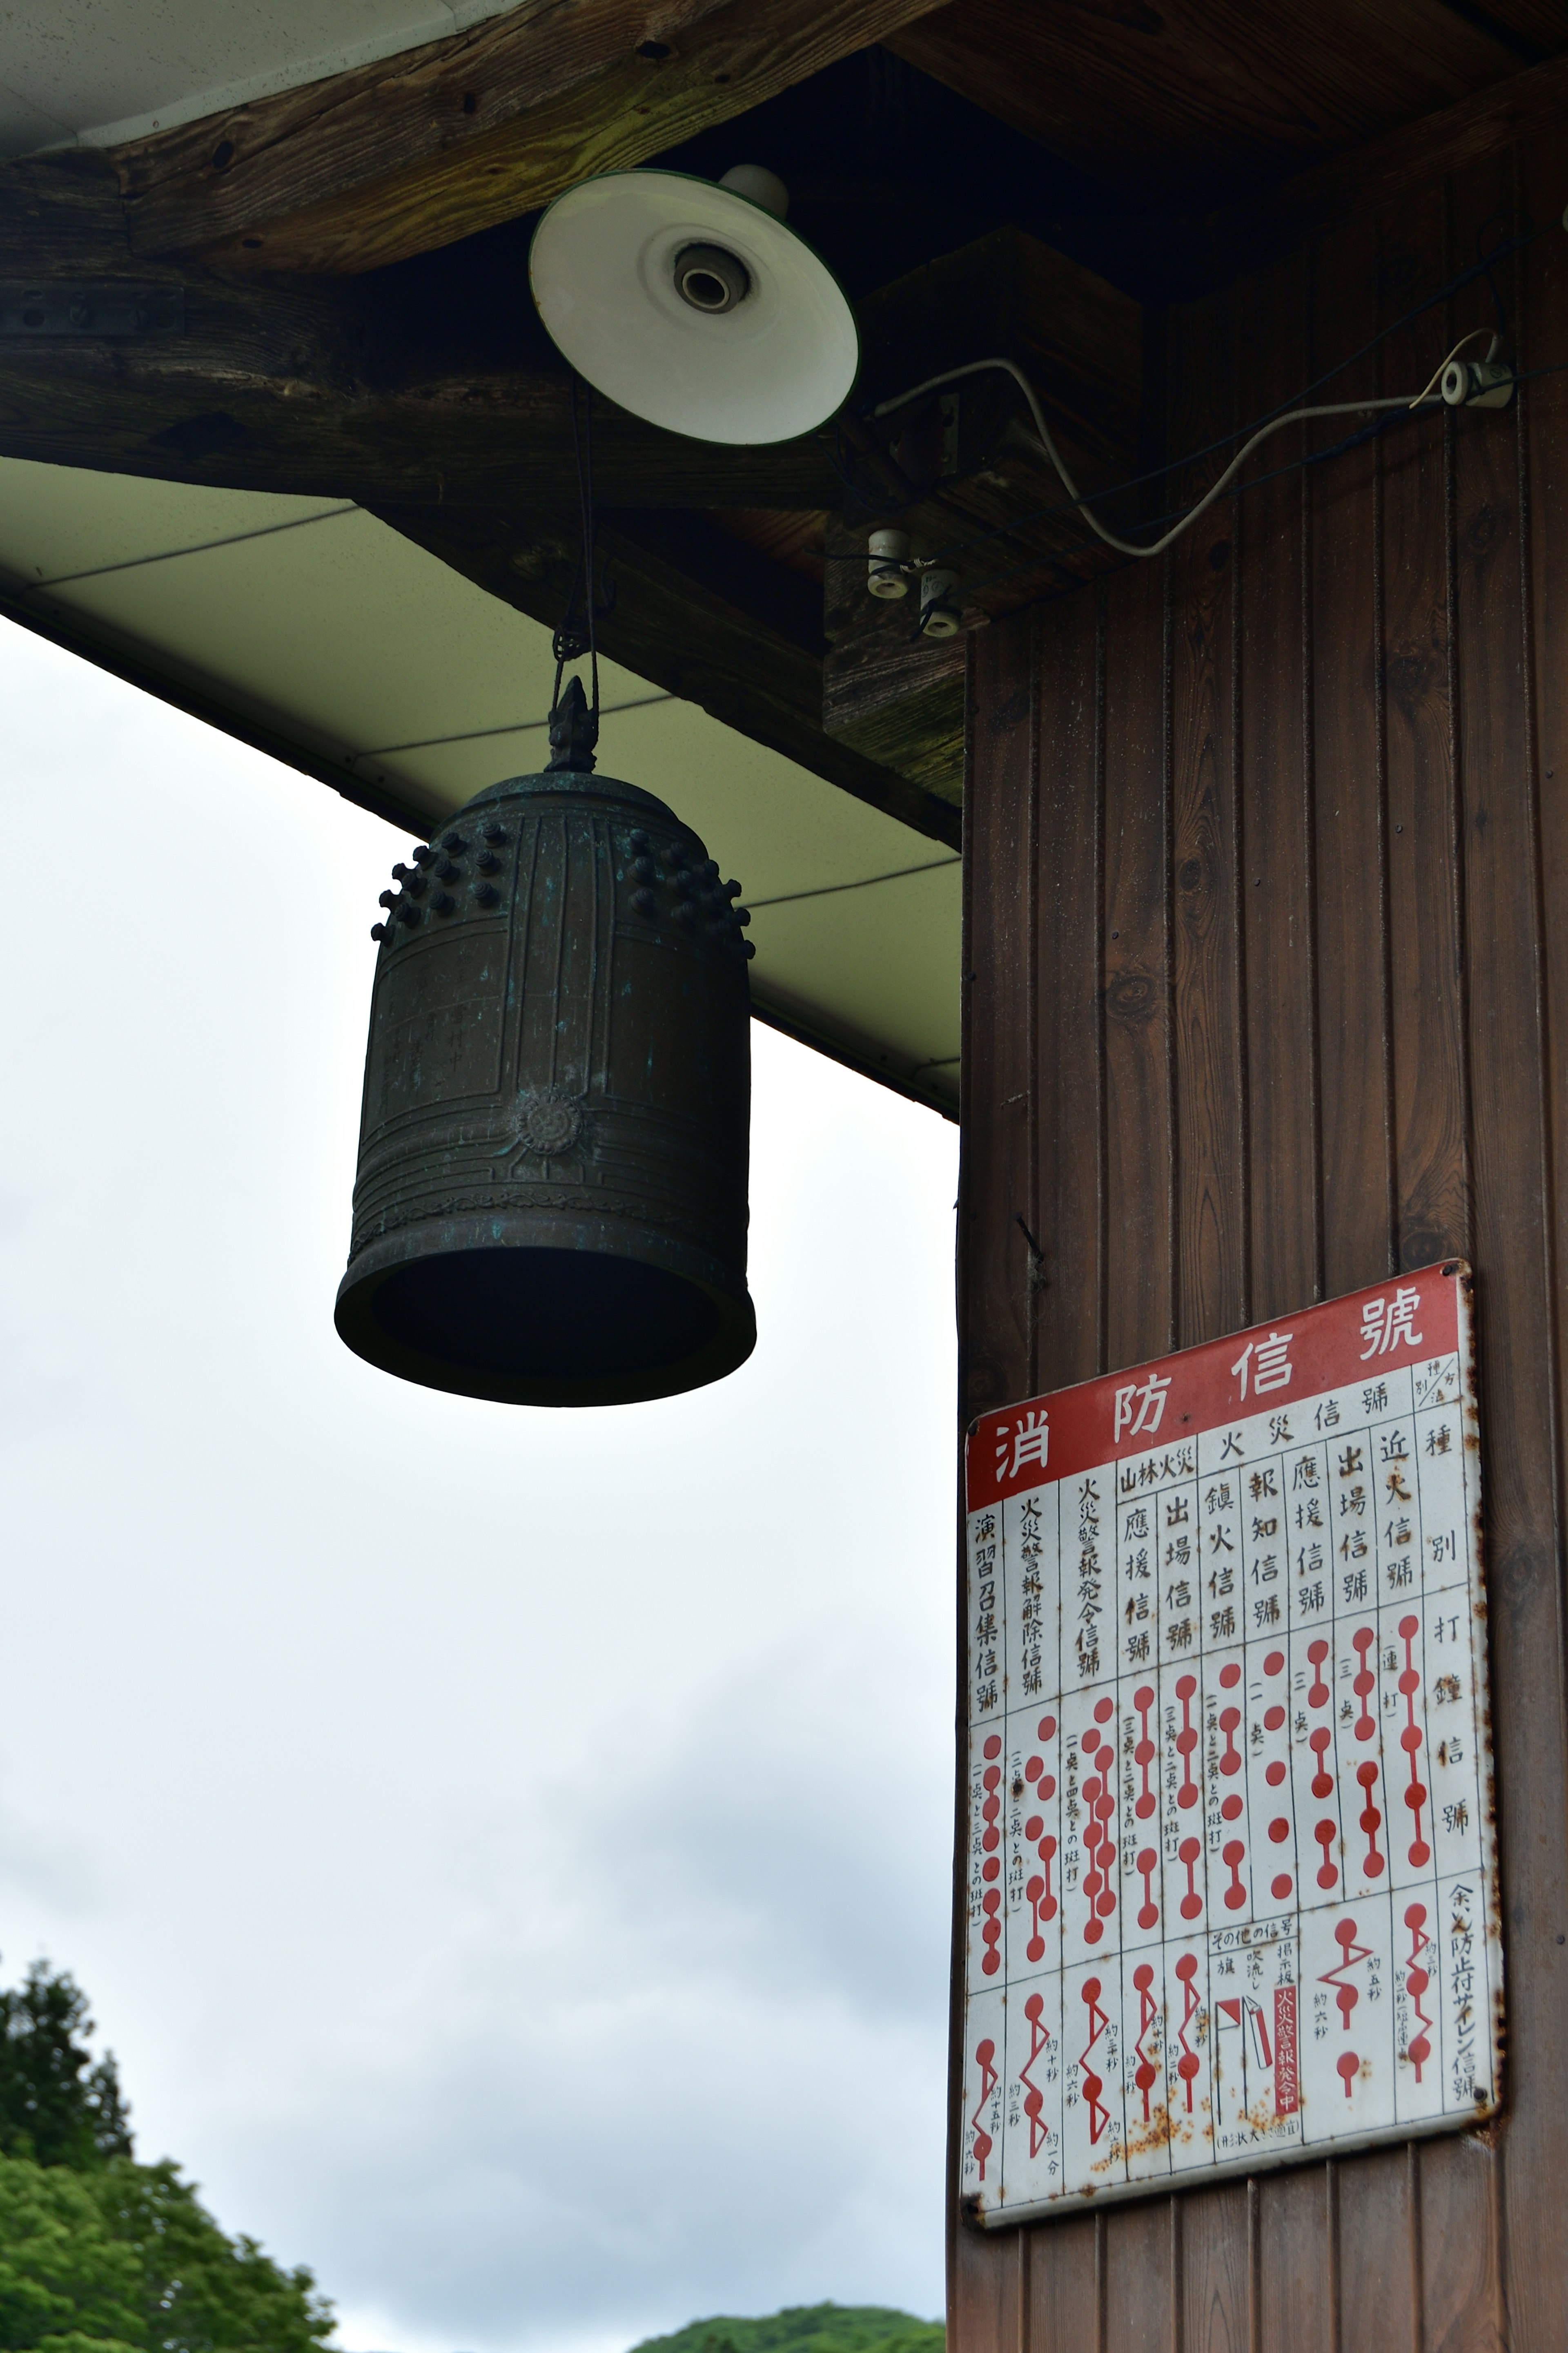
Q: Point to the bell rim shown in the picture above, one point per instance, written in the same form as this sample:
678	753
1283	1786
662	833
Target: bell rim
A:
723	1353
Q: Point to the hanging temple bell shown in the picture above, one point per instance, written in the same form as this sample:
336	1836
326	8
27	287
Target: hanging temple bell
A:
550	1202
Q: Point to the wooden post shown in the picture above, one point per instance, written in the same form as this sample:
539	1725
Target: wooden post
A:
1266	996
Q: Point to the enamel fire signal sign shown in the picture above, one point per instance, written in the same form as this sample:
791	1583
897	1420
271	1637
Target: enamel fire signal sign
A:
1232	1882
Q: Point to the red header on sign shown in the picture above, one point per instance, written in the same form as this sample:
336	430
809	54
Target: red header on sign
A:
1405	1319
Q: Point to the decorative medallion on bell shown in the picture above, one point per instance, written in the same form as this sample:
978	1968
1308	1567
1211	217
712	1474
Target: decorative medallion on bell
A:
551	1125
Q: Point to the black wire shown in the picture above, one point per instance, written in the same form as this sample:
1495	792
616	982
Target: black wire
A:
1481	268
567	645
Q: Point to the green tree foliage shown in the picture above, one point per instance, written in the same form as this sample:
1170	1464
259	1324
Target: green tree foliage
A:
56	2103
125	2259
100	2255
807	2328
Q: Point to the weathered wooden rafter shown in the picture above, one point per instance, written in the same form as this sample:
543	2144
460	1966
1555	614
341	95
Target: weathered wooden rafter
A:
397	158
748	666
1196	100
423	392
305	387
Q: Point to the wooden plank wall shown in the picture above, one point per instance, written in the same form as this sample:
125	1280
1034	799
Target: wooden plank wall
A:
1267	977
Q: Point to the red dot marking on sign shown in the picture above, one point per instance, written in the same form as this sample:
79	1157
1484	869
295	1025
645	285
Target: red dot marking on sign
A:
1047	1785
993	1777
990	1963
1032	1769
1148	1861
1231	1856
1274	1772
991	1809
1409	1681
1142	1976
1322	1782
1047	1727
1143	1697
1274	1663
1033	1827
1230	1809
1318	1696
993	1902
1192	1902
1230	1676
1280	1888
1187	1966
1408	1628
1185	1686
1280	1829
1325	1835
992	1867
1103	1709
1273	1718
994	1745
1348	2066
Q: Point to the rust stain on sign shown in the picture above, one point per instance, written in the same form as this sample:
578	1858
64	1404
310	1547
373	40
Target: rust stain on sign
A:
1232	1870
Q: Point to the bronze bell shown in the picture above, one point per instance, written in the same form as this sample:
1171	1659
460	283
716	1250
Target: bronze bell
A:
550	1203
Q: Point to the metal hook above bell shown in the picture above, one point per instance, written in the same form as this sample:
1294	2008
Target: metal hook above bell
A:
550	1203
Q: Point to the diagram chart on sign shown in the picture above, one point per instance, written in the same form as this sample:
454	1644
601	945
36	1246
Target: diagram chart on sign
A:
1231	1886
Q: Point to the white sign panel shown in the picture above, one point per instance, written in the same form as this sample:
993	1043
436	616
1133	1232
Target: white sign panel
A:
1232	1887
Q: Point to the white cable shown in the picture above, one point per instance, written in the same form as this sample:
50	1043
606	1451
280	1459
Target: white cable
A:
1128	546
1436	376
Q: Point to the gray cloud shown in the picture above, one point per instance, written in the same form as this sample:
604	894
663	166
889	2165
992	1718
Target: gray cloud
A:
509	1852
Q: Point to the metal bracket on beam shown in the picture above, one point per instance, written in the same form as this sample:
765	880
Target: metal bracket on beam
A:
76	307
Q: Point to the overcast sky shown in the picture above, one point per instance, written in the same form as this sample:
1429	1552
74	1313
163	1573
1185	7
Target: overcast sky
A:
508	1851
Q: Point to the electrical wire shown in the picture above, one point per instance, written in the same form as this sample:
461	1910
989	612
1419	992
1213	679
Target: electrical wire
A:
1279	473
1047	442
1454	285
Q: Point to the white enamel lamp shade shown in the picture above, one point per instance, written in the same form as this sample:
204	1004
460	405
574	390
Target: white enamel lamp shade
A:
602	271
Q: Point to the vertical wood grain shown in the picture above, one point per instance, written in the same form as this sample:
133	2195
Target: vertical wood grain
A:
1139	1135
1344	592
1284	1203
1504	975
997	1184
1069	882
1210	1086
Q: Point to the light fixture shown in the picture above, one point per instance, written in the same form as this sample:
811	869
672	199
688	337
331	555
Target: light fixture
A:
693	306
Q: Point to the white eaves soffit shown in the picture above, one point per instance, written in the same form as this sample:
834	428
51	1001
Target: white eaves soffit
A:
308	628
92	72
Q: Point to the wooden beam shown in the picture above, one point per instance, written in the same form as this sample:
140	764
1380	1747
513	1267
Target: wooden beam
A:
743	665
1351	186
1193	101
397	158
1010	296
887	693
321	388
